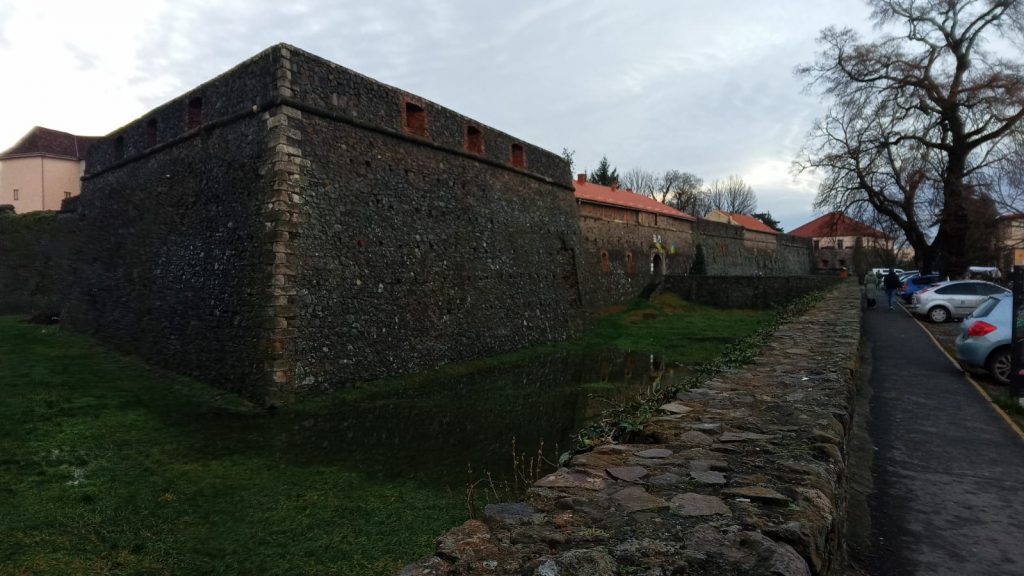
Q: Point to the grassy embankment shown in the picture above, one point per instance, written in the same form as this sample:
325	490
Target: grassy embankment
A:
108	466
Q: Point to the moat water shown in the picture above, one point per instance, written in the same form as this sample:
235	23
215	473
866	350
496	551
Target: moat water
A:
449	430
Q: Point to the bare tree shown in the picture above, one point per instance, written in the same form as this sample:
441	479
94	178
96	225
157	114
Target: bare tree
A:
689	195
640	181
918	118
1006	183
570	157
681	190
860	172
732	195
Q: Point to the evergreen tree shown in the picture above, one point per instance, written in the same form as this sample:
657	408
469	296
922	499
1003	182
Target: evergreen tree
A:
604	174
770	222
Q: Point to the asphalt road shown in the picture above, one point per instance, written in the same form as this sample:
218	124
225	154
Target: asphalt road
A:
948	471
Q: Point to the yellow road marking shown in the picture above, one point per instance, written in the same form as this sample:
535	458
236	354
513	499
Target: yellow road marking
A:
977	386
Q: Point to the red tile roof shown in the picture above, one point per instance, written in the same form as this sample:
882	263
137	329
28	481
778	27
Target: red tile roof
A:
45	142
598	194
836	224
749	222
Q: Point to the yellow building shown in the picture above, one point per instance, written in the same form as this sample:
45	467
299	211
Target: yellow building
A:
42	169
1010	238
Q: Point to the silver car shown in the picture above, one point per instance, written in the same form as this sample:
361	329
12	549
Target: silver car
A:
952	300
984	340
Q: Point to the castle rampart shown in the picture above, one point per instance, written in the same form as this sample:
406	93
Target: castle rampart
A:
293	225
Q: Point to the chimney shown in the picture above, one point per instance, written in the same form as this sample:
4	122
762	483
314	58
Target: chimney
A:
581	178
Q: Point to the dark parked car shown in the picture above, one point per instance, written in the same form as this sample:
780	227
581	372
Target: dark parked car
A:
916	283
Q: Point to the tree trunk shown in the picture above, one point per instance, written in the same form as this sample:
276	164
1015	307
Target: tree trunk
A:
954	221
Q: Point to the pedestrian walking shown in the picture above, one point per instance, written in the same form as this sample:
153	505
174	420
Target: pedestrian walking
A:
870	283
892	284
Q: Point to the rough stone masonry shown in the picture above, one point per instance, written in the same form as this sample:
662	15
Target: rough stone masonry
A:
747	476
292	225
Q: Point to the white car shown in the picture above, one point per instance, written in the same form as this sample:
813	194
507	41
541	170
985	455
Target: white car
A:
881	273
952	300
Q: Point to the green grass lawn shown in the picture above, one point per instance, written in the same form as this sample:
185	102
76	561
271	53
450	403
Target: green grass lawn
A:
108	466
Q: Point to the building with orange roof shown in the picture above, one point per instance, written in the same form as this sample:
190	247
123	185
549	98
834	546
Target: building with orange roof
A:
42	169
839	241
629	240
746	221
756	234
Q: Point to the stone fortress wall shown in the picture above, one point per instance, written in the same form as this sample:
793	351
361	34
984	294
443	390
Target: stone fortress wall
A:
292	225
423	241
622	249
733	251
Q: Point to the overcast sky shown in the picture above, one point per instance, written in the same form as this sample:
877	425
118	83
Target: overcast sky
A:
704	86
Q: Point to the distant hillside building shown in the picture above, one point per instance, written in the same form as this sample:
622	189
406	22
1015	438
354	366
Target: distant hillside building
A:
42	169
836	237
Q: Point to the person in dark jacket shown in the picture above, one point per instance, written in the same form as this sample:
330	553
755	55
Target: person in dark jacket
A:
892	284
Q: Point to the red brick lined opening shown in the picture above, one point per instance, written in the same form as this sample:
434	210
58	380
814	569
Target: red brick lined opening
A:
518	156
195	112
474	140
629	263
415	120
606	263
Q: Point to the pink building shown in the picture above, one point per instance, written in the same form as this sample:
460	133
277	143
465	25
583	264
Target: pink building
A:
42	169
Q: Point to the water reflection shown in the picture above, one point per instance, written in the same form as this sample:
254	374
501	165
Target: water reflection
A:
435	428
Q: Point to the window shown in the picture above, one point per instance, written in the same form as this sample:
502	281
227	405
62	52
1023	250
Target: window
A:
817	244
151	133
839	243
989	289
629	262
606	263
961	289
474	140
67	194
518	158
195	112
415	120
15	193
824	263
119	148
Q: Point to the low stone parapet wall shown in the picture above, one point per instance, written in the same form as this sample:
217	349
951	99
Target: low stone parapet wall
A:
746	475
746	291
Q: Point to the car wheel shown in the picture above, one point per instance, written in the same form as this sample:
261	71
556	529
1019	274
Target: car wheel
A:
938	314
998	365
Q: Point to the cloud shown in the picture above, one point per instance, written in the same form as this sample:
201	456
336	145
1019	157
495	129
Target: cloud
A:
705	87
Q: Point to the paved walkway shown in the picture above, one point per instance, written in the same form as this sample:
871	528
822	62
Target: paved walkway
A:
948	471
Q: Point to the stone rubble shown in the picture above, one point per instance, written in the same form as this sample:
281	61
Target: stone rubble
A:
749	480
